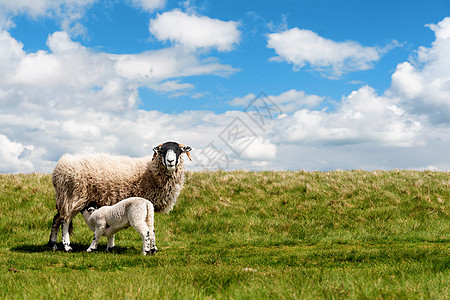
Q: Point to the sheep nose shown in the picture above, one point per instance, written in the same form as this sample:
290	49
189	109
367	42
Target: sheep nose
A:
170	160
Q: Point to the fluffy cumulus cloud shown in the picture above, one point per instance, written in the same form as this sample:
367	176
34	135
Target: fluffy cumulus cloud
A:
361	117
10	153
16	157
260	150
67	74
423	85
73	99
194	32
302	47
70	66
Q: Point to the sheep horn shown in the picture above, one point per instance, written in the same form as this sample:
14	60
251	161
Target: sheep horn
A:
189	156
187	152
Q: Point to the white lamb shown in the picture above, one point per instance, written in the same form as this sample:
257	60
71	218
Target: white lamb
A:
107	220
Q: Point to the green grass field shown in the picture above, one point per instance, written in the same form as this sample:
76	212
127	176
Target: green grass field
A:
245	235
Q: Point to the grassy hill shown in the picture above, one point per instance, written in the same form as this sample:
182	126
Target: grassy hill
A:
284	235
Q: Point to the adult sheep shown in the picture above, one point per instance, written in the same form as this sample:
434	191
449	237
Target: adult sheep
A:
105	179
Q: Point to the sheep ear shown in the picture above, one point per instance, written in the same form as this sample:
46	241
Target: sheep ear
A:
156	151
186	149
91	209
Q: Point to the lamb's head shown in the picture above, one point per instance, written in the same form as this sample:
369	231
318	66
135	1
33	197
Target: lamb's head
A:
169	153
89	209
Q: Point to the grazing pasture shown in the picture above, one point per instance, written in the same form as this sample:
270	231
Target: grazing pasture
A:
245	235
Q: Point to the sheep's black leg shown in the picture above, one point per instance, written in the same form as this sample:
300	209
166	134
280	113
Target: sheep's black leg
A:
54	232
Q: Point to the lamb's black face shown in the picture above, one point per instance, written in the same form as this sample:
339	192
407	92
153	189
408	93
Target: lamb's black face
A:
90	208
170	153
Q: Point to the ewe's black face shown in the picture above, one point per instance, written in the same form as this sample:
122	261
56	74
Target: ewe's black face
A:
170	153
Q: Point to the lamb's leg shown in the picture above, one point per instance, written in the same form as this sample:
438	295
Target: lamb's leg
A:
142	222
148	240
110	233
54	232
151	234
143	230
97	235
110	243
65	235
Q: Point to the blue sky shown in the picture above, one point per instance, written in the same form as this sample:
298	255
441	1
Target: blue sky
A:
356	84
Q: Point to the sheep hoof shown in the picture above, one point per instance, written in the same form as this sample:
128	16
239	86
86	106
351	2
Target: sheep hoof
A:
110	249
52	245
151	251
67	248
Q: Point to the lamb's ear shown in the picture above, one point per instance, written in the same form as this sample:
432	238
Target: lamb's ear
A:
156	151
186	149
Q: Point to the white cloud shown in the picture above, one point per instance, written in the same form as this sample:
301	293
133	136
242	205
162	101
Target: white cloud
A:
37	8
423	86
71	74
73	99
32	7
9	155
301	47
60	42
260	150
407	127
10	53
397	128
149	5
16	157
194	31
172	85
362	117
80	131
154	66
287	102
38	69
67	12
